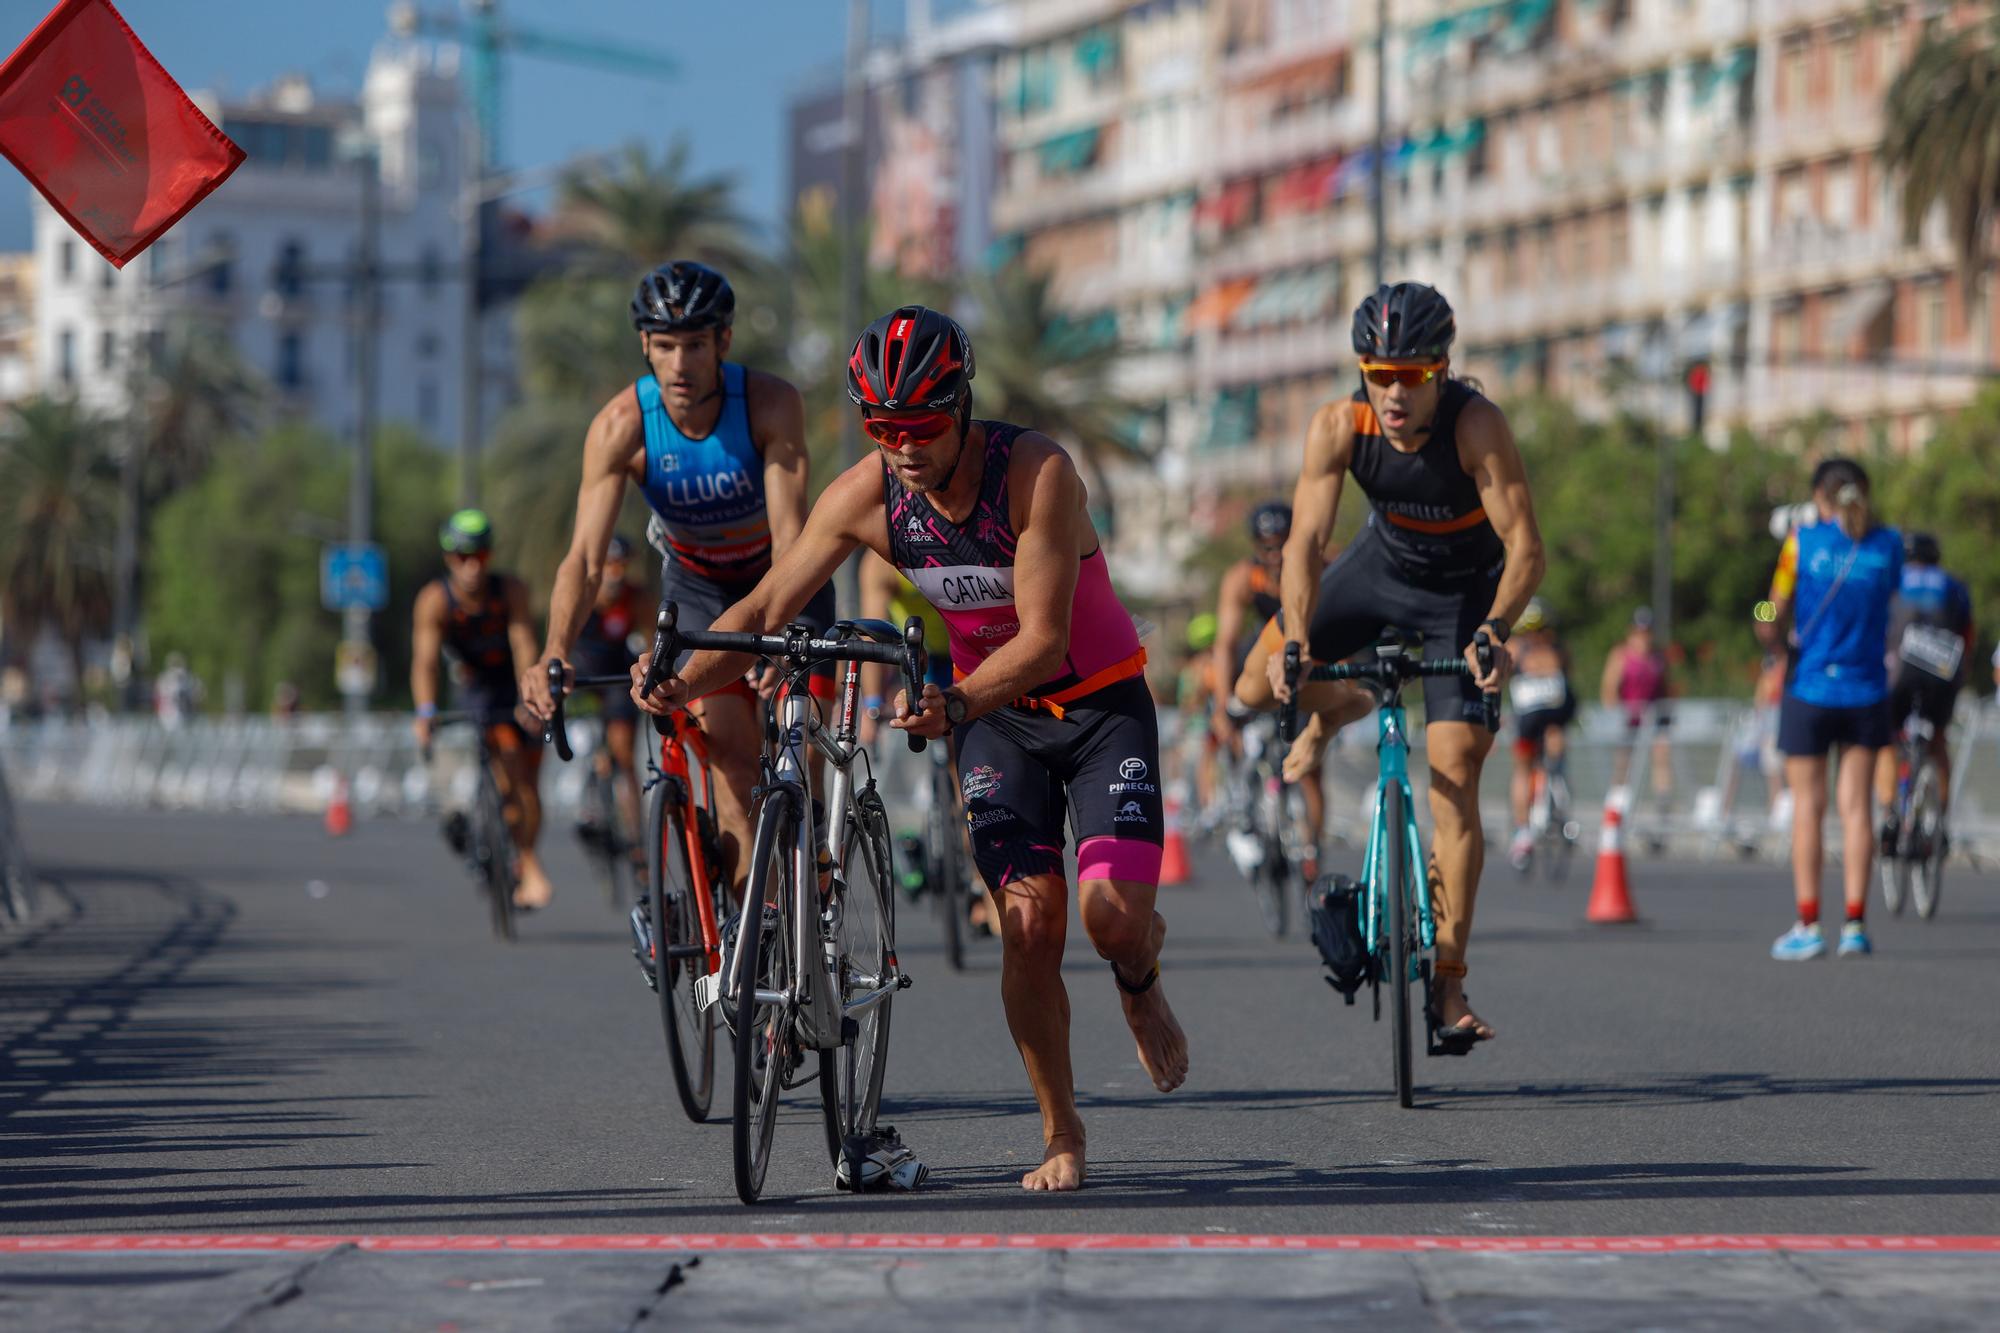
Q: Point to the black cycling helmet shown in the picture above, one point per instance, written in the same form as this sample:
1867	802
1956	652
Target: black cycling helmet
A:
619	548
1923	548
1404	322
683	297
910	358
467	532
1271	519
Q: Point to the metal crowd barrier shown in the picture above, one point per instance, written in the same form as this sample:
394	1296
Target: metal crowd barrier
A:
1719	798
18	894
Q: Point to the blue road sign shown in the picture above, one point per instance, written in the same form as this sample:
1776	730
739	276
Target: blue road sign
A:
354	576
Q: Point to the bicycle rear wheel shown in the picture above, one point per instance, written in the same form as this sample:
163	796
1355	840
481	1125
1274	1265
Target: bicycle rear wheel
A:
764	1036
1273	876
850	1078
497	857
1927	867
679	957
1395	882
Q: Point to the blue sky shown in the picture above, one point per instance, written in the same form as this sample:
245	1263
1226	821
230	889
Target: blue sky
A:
739	63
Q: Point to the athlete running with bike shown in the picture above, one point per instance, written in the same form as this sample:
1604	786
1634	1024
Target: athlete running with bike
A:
481	617
1051	713
1451	549
719	452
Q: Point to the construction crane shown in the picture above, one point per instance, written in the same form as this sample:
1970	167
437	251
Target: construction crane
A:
486	36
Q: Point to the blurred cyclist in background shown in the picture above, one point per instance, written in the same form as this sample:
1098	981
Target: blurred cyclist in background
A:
1930	639
481	617
621	620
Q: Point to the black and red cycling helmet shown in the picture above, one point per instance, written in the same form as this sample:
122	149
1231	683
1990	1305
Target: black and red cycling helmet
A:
1407	321
910	358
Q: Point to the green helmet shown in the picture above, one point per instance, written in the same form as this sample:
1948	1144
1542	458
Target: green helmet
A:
1201	632
468	532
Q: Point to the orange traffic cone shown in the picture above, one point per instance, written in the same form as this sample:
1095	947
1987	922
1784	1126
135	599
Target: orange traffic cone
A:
1611	892
1174	867
339	814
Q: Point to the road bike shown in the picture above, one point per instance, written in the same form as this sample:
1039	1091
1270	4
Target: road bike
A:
1392	898
806	982
1914	868
1265	816
679	918
947	869
480	833
602	829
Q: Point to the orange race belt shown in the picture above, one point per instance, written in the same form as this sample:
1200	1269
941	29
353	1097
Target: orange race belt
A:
1091	684
1438	527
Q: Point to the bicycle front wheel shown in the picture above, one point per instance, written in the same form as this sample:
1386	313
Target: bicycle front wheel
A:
1396	874
680	959
850	1078
764	1037
1927	867
497	857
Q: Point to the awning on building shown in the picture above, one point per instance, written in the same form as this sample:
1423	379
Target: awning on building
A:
1214	307
1857	309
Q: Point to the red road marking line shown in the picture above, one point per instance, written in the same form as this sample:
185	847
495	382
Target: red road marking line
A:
250	1242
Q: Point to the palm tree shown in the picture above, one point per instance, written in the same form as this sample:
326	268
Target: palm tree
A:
58	519
198	393
637	212
1942	137
1041	369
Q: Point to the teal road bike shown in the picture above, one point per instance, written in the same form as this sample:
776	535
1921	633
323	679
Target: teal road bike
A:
1387	932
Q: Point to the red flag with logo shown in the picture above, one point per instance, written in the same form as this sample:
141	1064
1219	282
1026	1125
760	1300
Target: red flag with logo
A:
104	133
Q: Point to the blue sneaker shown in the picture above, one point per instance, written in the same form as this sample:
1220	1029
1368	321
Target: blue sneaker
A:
1854	941
1798	944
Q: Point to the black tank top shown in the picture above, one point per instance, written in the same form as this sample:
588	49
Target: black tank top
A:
476	632
1425	508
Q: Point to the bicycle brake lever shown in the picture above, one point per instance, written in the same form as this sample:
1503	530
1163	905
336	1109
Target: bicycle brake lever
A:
1482	645
664	633
1288	711
913	672
553	730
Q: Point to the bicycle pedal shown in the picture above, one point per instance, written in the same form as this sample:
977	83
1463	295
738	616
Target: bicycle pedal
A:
708	990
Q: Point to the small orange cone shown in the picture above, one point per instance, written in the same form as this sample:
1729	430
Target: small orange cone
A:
1611	892
339	814
1174	867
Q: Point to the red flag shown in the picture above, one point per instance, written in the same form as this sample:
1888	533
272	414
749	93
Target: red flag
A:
104	133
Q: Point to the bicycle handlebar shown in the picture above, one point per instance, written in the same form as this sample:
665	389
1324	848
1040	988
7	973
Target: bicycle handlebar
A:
798	646
1391	672
554	730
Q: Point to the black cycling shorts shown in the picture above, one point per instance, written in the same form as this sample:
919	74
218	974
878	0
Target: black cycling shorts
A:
1808	731
702	599
1365	592
1529	728
1934	699
494	701
1021	769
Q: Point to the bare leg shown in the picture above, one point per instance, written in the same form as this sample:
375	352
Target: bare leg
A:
1118	915
1458	752
734	743
517	773
1327	706
1856	825
1034	923
1807	778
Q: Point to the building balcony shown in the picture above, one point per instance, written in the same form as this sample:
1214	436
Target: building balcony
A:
1096	107
1039	20
1101	191
1782	394
1309	238
1275	354
1809	133
1341	128
1809	254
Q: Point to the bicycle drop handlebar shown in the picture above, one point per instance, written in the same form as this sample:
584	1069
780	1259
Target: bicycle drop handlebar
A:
797	646
554	730
1390	673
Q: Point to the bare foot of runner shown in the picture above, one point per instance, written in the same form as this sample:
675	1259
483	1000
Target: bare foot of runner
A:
1062	1165
1163	1048
1308	746
534	890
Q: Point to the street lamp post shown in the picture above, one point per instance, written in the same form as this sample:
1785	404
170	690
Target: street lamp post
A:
361	483
853	149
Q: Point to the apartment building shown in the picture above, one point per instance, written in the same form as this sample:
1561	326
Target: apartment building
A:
17	326
264	261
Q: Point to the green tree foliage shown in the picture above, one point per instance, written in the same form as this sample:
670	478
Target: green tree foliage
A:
235	561
1942	137
58	523
638	211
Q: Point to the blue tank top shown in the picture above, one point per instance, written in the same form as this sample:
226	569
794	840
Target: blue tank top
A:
709	493
1841	591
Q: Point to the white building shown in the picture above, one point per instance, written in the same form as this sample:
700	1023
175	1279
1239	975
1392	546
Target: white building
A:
267	259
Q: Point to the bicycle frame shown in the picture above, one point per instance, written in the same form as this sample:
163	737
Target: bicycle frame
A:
679	734
1392	749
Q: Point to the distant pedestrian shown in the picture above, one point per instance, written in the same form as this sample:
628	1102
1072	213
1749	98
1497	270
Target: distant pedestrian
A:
1834	582
1637	680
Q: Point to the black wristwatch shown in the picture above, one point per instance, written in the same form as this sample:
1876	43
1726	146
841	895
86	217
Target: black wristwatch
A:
955	709
1500	629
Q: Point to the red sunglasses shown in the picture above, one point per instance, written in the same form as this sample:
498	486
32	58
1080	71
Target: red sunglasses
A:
1385	373
904	432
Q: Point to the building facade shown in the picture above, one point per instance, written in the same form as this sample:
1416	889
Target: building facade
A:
17	326
269	260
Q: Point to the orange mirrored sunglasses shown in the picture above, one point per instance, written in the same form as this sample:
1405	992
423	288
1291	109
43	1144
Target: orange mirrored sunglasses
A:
1406	373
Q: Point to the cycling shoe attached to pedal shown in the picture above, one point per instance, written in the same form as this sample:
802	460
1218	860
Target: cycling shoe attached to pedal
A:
877	1160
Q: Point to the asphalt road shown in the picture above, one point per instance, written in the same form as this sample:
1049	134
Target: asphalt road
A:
235	1024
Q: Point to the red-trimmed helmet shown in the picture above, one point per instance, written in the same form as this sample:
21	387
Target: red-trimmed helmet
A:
910	358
